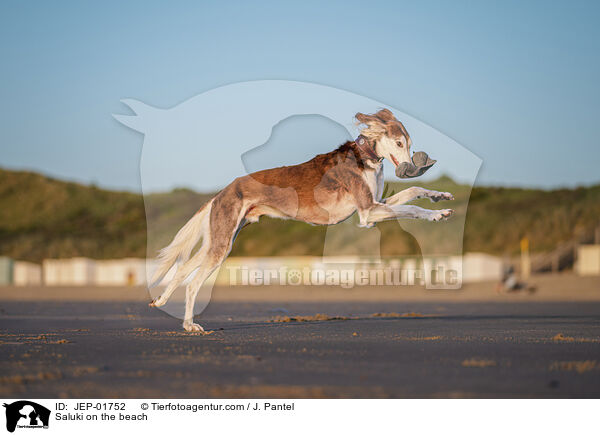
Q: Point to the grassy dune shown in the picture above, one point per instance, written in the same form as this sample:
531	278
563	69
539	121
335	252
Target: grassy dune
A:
42	217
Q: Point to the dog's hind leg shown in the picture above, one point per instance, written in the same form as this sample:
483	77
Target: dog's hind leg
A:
192	290
214	258
227	218
187	237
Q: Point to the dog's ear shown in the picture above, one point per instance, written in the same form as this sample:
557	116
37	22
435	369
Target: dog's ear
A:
386	115
367	119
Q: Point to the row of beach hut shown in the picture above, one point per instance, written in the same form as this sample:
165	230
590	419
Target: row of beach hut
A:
472	267
73	272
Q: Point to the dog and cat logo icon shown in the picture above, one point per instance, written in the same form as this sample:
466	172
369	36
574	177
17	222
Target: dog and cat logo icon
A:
26	414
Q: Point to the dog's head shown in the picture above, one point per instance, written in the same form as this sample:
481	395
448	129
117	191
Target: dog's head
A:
391	141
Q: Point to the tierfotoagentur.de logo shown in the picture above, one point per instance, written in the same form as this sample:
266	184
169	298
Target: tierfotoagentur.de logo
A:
24	414
262	145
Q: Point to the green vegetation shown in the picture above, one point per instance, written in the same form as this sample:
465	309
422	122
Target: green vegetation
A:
41	218
46	218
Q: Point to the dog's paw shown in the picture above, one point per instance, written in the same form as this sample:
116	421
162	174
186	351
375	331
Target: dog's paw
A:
192	327
440	196
157	302
439	215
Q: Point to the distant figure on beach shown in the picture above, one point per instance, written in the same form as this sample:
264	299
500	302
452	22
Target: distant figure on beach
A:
510	283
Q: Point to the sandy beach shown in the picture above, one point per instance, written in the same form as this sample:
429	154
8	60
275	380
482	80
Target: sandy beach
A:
306	342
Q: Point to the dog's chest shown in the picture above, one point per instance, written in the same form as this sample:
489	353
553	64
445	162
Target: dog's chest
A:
374	180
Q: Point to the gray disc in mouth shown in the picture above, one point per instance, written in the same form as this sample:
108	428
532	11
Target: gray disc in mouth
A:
420	163
420	158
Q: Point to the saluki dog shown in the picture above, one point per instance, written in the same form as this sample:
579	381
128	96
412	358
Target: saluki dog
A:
323	191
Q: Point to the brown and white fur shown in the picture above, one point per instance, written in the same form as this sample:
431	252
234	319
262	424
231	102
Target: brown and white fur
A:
323	191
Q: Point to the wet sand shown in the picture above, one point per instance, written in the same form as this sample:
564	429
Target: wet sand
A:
305	342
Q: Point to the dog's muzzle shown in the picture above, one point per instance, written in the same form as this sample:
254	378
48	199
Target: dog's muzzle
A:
420	163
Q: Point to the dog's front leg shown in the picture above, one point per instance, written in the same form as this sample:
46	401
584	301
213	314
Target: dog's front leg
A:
384	212
416	192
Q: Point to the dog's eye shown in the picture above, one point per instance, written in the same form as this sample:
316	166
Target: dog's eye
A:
400	144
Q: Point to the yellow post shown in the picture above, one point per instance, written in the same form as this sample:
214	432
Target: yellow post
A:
525	260
130	278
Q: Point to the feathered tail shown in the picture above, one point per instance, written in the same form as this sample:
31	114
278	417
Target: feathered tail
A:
183	243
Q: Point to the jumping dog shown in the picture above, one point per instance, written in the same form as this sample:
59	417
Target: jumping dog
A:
323	191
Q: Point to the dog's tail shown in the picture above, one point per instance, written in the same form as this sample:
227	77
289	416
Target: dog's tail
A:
183	243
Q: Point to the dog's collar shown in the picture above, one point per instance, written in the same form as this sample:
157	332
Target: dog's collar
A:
366	149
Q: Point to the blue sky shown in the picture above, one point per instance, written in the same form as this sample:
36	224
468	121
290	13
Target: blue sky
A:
516	83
